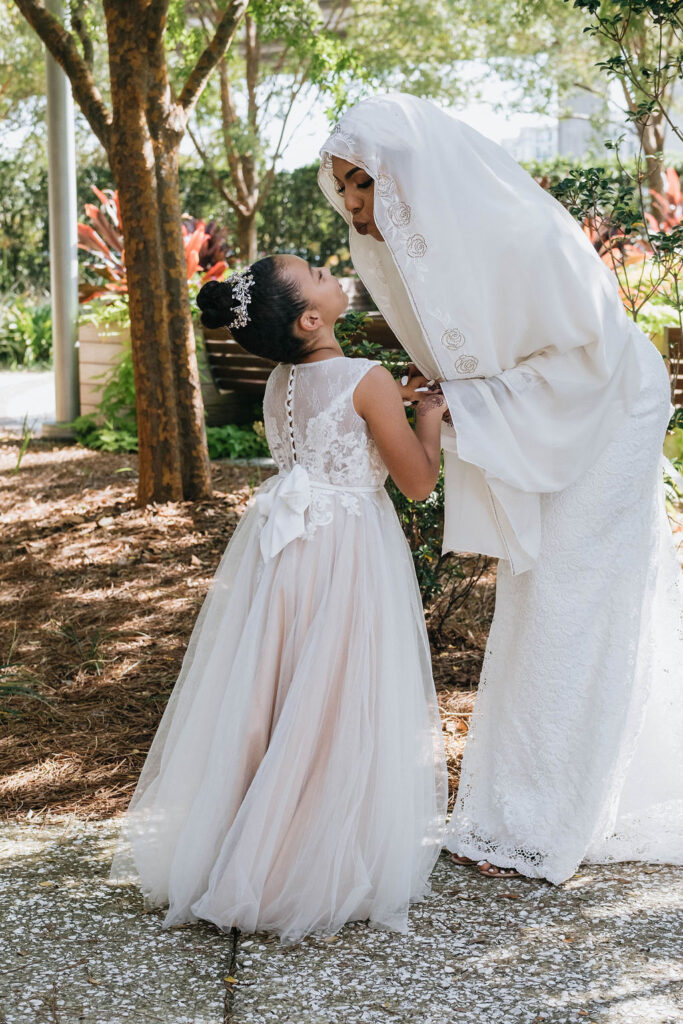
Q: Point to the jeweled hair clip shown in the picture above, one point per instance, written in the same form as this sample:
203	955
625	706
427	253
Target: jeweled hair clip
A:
241	288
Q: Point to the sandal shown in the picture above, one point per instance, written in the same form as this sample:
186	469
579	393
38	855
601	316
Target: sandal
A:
491	871
465	862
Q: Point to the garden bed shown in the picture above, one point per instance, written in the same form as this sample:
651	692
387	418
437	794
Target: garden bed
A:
103	596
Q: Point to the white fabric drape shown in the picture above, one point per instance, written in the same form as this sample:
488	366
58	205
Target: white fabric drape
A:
491	287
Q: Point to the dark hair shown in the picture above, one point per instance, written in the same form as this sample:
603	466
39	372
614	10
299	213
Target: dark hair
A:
274	304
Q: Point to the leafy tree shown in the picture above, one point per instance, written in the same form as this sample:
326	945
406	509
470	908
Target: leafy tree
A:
304	49
140	129
642	42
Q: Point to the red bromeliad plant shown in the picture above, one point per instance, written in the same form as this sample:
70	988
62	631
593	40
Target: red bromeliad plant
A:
103	241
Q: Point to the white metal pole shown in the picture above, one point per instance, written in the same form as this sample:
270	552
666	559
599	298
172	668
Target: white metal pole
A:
63	243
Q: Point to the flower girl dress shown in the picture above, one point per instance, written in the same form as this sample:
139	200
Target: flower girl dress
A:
297	778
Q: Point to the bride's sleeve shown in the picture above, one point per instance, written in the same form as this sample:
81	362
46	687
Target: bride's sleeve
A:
540	424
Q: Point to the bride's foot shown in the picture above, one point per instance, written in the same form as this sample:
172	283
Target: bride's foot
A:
485	867
491	871
464	861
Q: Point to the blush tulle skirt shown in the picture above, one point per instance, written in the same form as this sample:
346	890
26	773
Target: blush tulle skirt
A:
297	779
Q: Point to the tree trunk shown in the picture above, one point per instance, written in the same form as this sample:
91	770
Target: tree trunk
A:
196	470
652	135
132	162
247	239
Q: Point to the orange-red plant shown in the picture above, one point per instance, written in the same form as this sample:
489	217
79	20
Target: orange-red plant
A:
103	241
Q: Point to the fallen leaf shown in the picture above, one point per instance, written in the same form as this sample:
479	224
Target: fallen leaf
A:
230	980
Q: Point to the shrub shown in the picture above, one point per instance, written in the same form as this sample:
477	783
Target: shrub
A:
25	333
113	428
233	442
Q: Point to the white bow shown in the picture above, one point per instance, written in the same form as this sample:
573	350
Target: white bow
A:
283	508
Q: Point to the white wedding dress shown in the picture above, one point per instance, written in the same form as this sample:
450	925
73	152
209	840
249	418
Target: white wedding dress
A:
297	779
575	750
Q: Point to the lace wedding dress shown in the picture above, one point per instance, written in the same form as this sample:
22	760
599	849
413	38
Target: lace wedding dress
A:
575	751
297	779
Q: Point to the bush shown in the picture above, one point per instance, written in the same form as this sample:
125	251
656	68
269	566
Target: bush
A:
113	428
25	333
438	576
233	442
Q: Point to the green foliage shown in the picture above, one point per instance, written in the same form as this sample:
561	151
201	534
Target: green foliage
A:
114	427
25	333
422	521
23	225
233	442
110	310
297	218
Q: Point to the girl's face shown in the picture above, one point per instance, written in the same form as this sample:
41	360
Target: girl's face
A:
321	291
358	191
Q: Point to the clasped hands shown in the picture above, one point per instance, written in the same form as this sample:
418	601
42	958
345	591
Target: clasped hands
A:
414	388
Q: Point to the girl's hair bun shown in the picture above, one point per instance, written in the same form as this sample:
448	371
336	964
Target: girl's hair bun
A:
215	302
273	306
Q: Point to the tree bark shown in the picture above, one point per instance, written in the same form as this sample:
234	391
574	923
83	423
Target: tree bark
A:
247	238
131	156
141	136
652	135
196	470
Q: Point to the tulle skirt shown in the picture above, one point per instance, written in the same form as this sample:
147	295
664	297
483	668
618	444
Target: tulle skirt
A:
297	780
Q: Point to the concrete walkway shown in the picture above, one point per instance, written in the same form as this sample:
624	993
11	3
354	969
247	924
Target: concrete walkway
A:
605	947
29	393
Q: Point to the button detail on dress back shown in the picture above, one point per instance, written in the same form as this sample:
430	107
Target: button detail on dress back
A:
289	403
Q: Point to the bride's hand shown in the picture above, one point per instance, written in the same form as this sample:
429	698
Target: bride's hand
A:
409	382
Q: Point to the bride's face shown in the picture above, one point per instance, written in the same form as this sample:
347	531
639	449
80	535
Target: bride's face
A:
358	191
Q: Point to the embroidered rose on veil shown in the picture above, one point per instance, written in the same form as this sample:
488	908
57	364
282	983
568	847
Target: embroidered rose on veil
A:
385	184
466	364
399	214
416	246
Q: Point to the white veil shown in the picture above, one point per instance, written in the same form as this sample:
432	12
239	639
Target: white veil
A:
491	287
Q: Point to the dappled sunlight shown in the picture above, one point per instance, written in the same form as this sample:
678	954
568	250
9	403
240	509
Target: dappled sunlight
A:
103	595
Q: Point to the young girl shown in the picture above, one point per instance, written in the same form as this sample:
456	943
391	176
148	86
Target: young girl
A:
297	779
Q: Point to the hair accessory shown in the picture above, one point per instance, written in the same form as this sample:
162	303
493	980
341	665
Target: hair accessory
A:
241	287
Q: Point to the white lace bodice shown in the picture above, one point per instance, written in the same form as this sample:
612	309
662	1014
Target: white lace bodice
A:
310	419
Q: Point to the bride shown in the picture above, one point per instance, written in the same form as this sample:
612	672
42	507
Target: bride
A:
558	406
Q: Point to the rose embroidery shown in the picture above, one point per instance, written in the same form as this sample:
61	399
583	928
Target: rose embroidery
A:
400	214
417	246
466	364
453	338
385	184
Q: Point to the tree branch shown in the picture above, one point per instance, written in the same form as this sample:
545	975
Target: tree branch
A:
63	48
81	30
207	60
157	14
216	181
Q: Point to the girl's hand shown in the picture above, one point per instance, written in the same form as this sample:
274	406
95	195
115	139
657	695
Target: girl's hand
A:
432	404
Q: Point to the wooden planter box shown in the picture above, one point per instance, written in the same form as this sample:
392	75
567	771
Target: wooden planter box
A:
99	348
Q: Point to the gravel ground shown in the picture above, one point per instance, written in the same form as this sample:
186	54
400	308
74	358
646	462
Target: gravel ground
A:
604	947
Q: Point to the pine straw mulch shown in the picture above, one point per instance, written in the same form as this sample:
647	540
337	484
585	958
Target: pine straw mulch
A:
97	602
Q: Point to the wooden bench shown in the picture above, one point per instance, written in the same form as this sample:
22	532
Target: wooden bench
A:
239	378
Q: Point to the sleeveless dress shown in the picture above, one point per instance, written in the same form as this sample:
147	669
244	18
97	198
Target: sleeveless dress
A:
575	748
297	779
